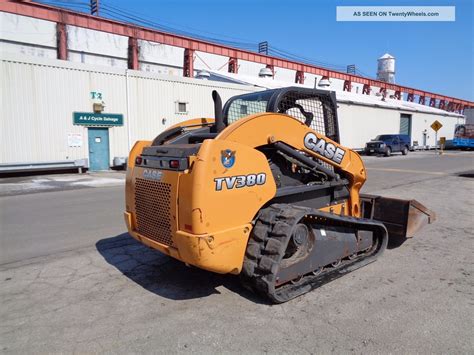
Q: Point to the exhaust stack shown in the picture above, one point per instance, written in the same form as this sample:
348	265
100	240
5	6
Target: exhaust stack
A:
219	125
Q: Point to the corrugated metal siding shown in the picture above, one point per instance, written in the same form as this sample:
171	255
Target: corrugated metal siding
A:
40	95
39	102
359	124
421	122
152	99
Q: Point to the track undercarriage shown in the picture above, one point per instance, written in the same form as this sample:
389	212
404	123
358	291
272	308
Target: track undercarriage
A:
294	250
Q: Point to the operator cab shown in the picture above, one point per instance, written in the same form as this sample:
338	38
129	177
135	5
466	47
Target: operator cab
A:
315	108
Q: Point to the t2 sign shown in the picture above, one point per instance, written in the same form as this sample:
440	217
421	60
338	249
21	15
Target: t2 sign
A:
96	95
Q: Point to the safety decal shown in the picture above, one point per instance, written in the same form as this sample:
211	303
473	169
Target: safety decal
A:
240	181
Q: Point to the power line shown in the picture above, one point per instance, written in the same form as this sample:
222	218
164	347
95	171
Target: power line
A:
135	18
138	15
74	5
284	52
124	15
361	73
287	55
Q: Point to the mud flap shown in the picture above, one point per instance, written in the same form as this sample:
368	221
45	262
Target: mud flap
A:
402	218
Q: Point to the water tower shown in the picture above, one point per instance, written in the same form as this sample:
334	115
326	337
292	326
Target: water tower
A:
386	68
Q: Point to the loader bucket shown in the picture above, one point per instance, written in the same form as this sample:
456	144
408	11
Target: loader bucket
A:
402	218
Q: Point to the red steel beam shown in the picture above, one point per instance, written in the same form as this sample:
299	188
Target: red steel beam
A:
366	89
61	37
133	53
188	63
233	65
347	86
68	17
299	77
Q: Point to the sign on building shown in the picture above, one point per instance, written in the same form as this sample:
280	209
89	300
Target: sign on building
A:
74	139
97	119
96	95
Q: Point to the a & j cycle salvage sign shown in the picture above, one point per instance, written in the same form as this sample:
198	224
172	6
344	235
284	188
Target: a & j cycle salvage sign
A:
97	119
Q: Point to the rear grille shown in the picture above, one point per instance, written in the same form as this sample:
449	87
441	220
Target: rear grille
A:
153	210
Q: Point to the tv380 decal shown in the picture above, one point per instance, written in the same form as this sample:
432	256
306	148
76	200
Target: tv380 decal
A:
240	181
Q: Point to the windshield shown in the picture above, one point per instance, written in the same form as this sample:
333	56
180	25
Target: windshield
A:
248	105
383	137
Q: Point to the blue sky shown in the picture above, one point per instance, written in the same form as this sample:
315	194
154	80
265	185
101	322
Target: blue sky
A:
433	56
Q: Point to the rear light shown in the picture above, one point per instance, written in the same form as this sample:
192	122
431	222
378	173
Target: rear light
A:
138	160
174	164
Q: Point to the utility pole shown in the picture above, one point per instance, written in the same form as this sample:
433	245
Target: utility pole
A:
95	7
263	47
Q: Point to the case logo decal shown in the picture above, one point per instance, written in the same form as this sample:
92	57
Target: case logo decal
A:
323	148
228	158
152	174
240	181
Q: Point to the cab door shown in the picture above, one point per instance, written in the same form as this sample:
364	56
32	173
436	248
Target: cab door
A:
396	144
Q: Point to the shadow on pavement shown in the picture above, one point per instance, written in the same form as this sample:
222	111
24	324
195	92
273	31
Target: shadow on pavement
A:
163	275
394	243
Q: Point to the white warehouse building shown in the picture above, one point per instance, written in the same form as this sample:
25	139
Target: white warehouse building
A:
40	97
48	104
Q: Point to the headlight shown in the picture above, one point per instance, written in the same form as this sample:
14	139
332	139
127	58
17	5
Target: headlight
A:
382	145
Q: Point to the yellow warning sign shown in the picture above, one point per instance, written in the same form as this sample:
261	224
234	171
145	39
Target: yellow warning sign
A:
436	125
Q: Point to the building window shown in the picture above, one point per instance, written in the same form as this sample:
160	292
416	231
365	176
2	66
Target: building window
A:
182	107
243	109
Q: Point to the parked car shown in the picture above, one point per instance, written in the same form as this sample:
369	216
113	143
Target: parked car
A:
387	144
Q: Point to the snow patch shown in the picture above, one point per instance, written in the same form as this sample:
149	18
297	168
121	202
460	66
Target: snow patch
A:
99	182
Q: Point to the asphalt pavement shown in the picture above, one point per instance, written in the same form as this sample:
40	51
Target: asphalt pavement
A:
72	280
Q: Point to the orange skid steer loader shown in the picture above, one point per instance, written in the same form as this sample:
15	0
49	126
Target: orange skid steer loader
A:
266	191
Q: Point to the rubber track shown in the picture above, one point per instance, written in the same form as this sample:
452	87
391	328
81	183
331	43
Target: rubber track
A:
270	237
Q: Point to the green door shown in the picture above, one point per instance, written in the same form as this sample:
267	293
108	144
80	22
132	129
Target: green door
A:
99	156
405	124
